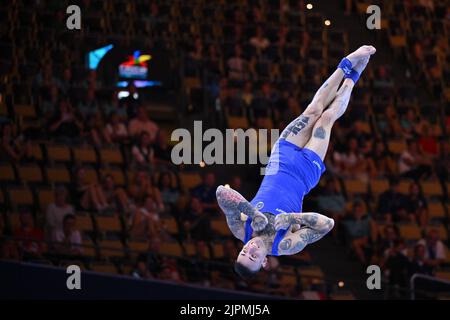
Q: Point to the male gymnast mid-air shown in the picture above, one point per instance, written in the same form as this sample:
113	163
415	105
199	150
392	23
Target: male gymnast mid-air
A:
273	222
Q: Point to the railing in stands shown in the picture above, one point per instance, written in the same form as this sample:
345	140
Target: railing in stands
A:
427	278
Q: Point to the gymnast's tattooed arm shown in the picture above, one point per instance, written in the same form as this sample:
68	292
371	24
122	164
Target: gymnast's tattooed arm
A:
232	204
314	227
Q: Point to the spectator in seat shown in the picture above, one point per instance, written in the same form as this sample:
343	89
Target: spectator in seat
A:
196	222
89	106
260	41
428	143
355	164
247	94
396	268
435	252
419	263
133	102
89	194
116	197
162	149
386	242
170	271
142	123
141	270
169	194
412	163
442	162
115	131
114	105
14	147
8	250
392	205
142	186
408	123
417	205
68	239
331	202
357	132
146	223
142	151
30	240
238	66
381	161
93	130
58	210
50	101
206	193
65	124
360	231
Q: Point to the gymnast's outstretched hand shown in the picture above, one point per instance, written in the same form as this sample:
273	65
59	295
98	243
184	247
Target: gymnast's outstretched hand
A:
233	203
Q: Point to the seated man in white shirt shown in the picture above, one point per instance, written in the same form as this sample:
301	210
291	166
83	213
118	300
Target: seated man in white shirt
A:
68	239
142	124
435	252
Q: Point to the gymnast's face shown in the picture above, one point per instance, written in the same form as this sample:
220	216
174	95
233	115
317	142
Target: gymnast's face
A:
253	255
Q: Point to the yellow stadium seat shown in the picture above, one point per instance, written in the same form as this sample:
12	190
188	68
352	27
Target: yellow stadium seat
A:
221	227
58	153
14	220
45	196
431	188
342	296
84	222
440	229
20	196
396	146
117	174
111	248
171	225
410	232
190	180
189	249
403	186
111	156
444	275
171	248
3	108
397	41
85	155
287	280
142	246
218	250
361	7
238	122
379	186
104	268
127	269
36	152
89	248
25	110
265	123
109	223
91	175
58	175
30	173
7	172
192	82
436	210
355	186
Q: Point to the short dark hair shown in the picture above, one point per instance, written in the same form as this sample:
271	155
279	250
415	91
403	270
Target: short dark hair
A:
69	216
244	272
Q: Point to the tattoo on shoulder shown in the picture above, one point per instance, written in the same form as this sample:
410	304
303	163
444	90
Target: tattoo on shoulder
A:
289	247
320	133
